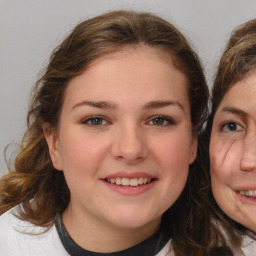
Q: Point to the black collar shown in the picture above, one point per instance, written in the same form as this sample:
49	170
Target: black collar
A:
149	247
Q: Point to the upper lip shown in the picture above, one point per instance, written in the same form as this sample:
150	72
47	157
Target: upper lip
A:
245	188
129	175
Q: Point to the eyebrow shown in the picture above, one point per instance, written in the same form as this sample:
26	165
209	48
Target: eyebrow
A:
234	110
96	104
110	105
162	104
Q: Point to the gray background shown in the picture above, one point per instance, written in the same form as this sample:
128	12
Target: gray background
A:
30	29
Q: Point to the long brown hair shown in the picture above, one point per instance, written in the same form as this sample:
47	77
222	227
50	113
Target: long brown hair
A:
237	62
39	188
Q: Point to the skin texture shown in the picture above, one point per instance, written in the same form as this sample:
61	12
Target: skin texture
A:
124	136
233	152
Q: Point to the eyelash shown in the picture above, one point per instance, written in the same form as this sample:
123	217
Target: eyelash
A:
228	126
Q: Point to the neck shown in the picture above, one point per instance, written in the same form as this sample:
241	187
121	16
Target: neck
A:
95	235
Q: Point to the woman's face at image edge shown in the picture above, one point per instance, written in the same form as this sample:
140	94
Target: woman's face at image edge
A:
233	153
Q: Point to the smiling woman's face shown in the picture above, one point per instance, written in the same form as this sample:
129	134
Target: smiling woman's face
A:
233	153
124	141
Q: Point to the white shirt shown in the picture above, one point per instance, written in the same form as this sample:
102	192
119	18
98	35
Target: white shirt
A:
248	247
14	242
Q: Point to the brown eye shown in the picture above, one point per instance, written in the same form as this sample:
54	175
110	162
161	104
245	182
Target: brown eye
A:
158	121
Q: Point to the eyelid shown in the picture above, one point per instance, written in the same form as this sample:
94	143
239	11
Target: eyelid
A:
170	120
224	128
85	120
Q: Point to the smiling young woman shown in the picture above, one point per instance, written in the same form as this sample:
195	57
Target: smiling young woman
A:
128	138
106	162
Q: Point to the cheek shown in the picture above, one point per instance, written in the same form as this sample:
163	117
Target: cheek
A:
224	163
173	153
220	176
81	154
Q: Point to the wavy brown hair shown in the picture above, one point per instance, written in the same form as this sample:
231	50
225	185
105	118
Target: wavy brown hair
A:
41	190
237	62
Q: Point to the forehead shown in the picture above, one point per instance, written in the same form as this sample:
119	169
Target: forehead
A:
242	93
241	97
137	71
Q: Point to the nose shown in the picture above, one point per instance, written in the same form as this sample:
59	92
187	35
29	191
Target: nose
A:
129	144
248	157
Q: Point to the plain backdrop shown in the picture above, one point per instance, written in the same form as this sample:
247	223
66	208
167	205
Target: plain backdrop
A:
30	29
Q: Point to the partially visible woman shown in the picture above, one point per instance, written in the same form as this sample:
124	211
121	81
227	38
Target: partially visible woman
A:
232	149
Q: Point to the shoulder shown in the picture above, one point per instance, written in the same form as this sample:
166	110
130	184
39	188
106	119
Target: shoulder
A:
247	243
22	238
10	224
249	246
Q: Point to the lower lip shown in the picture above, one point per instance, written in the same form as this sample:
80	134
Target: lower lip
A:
129	190
245	198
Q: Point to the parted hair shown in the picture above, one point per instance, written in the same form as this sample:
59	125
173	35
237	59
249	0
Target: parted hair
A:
238	61
40	190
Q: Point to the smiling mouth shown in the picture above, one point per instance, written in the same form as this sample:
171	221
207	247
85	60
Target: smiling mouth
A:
247	193
134	182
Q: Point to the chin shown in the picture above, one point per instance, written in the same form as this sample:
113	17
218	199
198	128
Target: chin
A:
136	225
135	220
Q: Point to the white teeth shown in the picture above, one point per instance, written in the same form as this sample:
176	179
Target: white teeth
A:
248	193
134	182
125	182
141	180
118	181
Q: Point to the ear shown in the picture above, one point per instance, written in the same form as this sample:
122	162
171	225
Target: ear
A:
52	140
193	152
